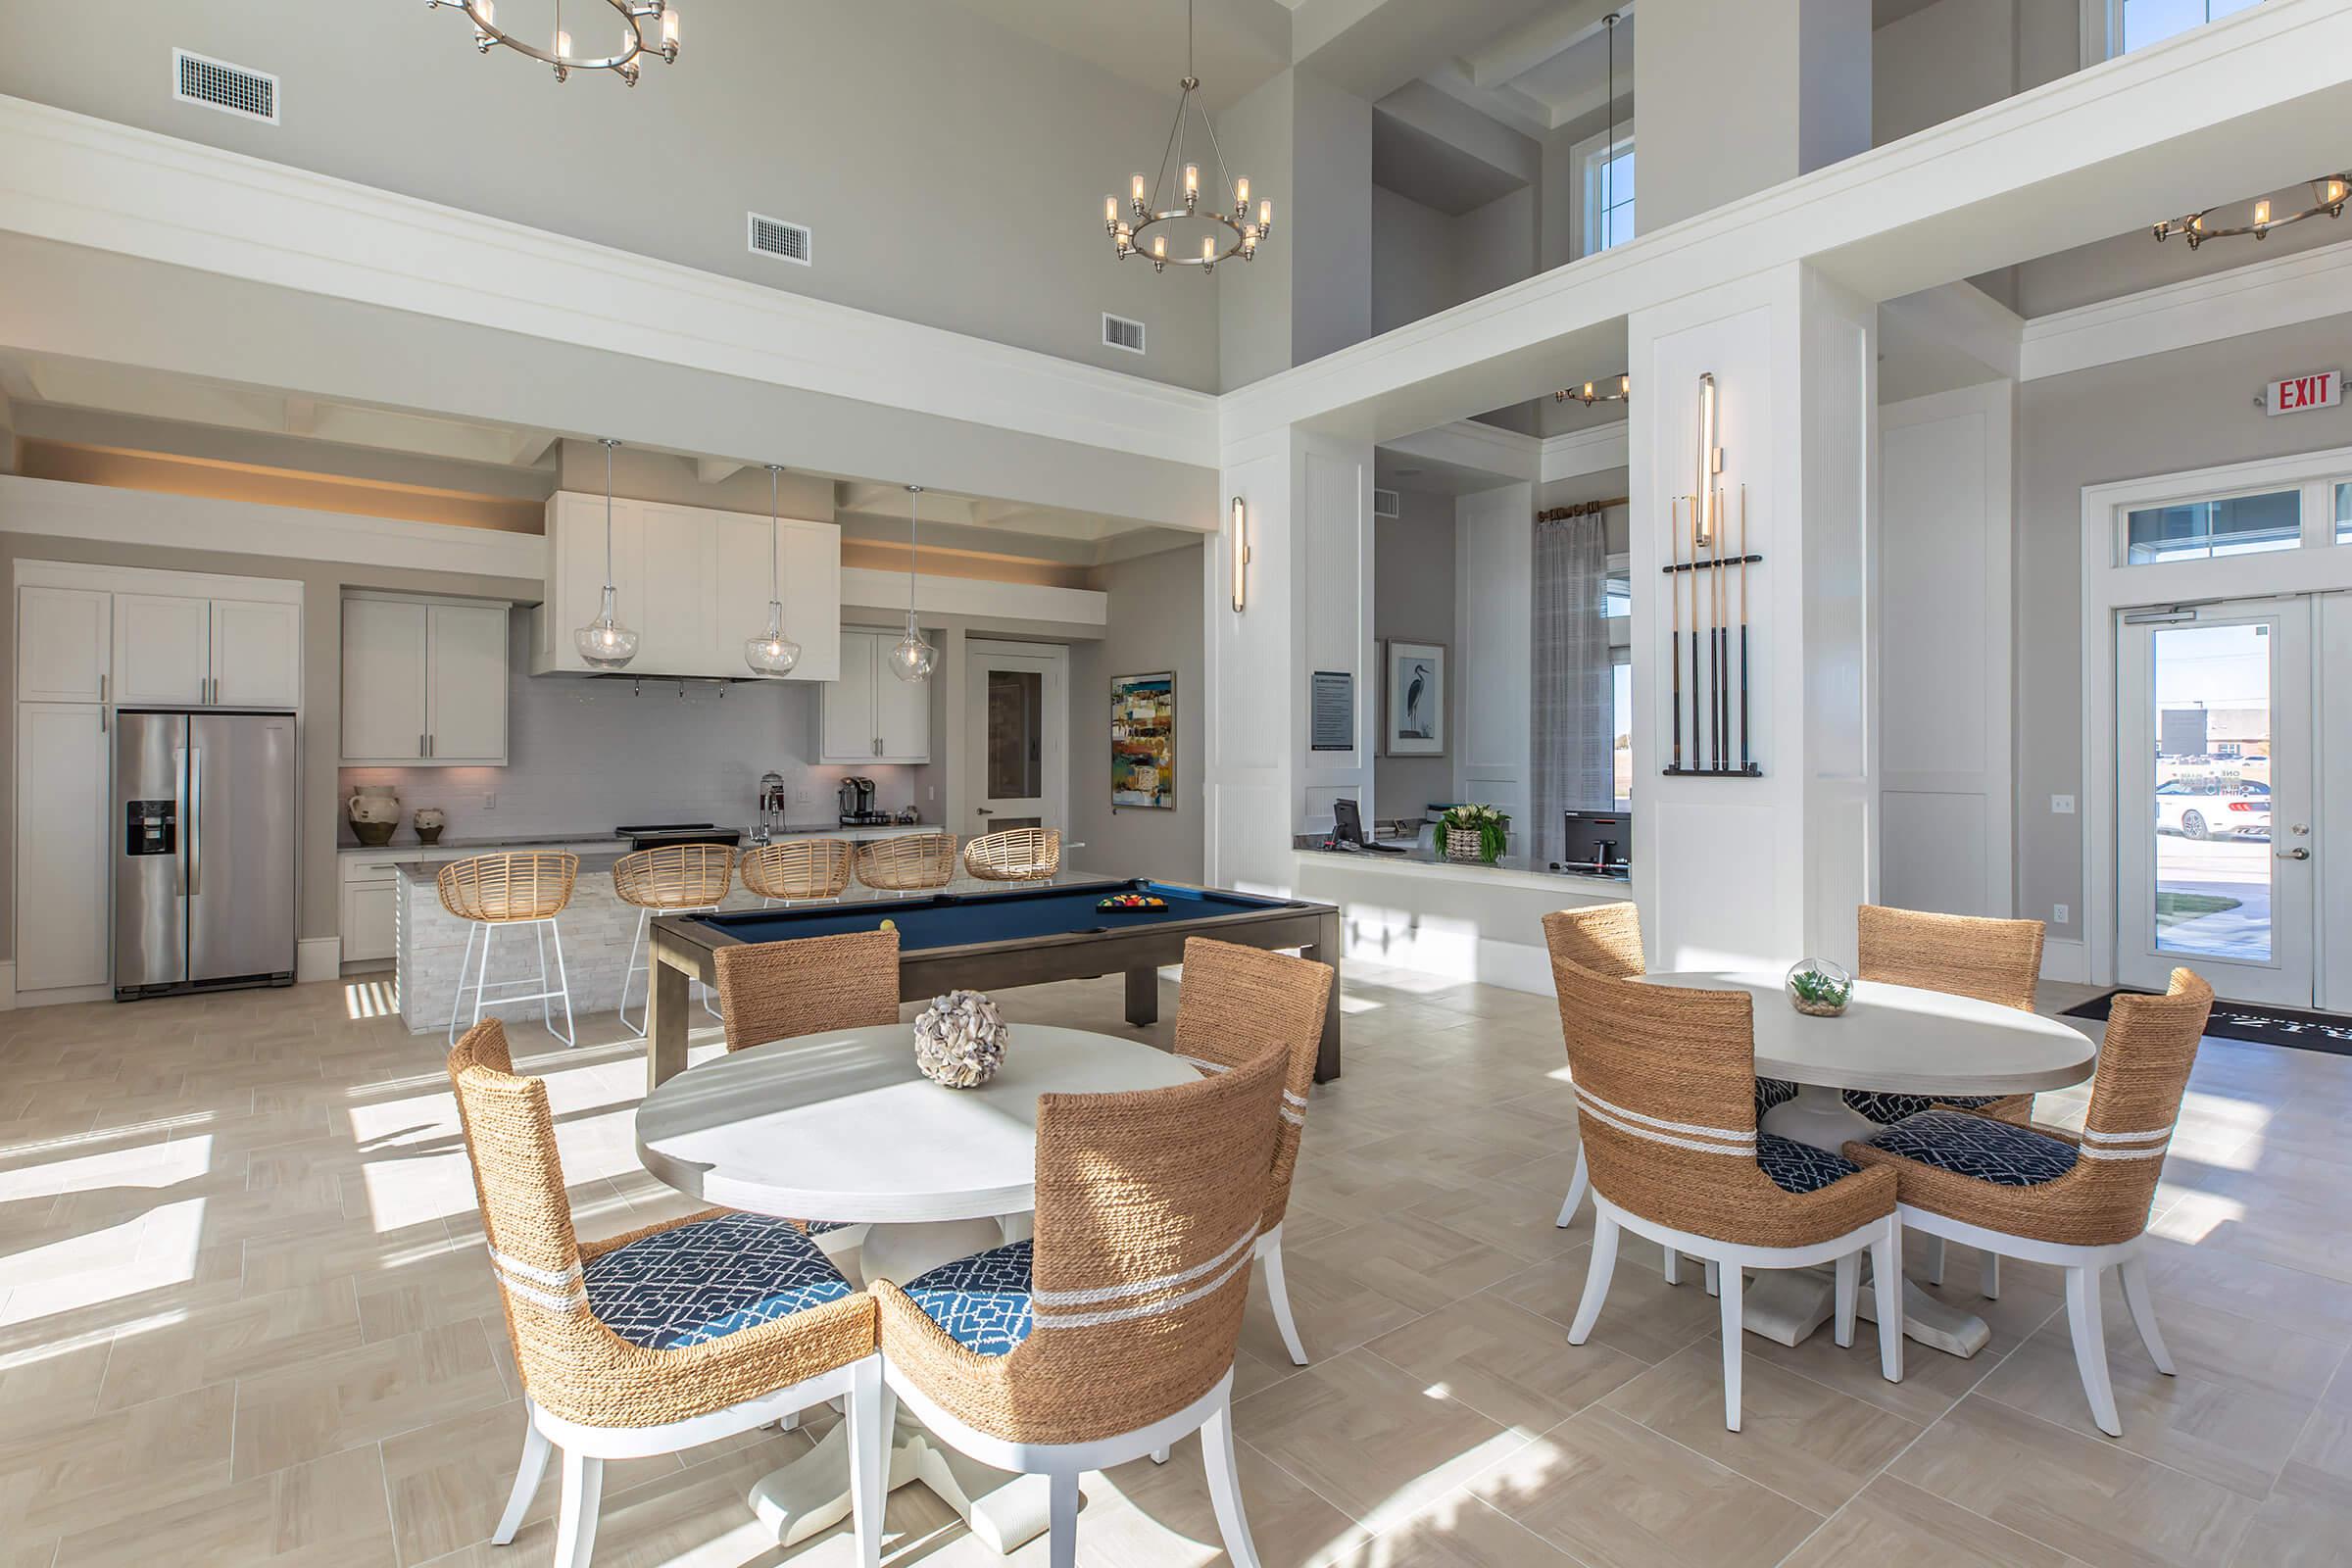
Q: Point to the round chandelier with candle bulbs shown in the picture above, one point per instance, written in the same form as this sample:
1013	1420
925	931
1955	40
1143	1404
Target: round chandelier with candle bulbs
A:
632	45
1153	223
2327	195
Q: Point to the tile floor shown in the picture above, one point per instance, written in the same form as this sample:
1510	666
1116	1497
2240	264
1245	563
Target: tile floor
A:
245	1319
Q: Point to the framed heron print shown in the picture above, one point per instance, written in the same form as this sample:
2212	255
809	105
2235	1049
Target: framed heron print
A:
1416	675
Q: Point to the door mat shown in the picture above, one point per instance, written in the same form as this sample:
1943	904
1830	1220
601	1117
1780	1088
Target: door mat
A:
2262	1024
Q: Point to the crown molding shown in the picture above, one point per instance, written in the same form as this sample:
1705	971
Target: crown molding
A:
2284	291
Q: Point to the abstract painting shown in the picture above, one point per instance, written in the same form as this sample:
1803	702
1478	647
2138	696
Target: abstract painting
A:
1142	741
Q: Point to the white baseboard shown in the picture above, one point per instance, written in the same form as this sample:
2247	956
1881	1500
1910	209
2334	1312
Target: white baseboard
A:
1514	965
2062	960
317	958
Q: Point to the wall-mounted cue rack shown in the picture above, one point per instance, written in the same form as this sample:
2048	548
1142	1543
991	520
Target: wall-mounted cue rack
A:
1715	698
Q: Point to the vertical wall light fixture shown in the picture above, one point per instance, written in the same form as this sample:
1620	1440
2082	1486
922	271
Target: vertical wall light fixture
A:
1240	555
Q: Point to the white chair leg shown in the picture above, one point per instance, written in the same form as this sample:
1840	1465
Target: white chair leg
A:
2135	1272
2091	1347
1225	1487
575	1525
1062	1520
1596	1277
527	1476
457	1003
1934	1260
1575	1193
1735	1347
1887	1286
869	1459
482	975
1850	1290
1671	1265
562	985
1159	1455
1278	1291
1989	1275
630	975
1714	1277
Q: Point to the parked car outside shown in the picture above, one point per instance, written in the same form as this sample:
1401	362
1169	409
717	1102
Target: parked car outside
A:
2204	809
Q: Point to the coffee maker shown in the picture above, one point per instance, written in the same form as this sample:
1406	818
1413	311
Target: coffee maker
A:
858	803
771	809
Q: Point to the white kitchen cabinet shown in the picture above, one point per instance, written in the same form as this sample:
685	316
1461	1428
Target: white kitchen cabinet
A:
161	649
424	682
64	752
868	714
691	582
256	653
370	911
62	644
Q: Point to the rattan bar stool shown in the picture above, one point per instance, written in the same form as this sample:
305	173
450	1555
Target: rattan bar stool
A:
1238	1003
523	887
670	879
664	1339
1111	1333
1016	855
2079	1203
915	863
797	870
1665	1090
1962	956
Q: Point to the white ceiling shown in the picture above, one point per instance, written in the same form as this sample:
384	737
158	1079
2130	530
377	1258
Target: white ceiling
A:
1241	43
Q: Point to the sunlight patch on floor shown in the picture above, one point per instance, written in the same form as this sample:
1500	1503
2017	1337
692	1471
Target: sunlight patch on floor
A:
157	1164
65	1276
371	998
162	1126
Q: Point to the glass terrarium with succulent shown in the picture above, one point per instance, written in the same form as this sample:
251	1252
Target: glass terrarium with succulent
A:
1820	989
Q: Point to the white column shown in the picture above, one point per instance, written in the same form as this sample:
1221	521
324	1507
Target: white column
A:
1493	652
1736	872
1308	608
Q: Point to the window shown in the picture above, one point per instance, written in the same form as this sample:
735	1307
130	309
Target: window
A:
2120	26
2240	525
2343	513
1607	173
1617	589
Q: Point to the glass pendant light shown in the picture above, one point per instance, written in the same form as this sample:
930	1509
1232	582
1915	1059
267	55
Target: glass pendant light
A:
913	659
773	653
604	643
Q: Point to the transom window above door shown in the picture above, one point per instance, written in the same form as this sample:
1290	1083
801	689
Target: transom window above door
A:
2237	525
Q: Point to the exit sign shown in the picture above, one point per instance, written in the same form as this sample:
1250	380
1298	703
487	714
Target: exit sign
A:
2322	390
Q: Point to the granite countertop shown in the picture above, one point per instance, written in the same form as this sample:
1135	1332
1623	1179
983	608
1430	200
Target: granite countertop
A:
1416	855
504	841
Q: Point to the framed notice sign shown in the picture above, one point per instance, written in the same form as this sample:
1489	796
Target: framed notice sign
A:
1331	711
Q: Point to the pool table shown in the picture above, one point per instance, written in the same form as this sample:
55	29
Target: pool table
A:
991	940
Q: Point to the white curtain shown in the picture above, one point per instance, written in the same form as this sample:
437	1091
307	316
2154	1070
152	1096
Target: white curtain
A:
1574	728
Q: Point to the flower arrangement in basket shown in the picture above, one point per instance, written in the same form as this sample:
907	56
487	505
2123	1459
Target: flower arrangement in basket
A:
1475	833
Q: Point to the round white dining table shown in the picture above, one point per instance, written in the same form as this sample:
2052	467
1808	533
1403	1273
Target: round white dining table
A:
1893	1040
840	1126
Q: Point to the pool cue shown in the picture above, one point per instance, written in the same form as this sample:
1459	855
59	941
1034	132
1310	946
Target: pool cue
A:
1674	597
1718	606
1697	504
1744	764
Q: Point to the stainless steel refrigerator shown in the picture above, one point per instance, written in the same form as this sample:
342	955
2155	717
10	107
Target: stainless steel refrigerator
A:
204	821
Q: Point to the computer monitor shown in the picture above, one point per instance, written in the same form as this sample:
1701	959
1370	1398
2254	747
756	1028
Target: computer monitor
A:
1601	843
1347	822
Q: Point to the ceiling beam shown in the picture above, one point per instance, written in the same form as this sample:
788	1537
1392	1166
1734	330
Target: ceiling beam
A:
1518	50
717	470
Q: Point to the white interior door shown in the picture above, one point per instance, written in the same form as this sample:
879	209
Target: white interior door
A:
2216	862
1018	697
2334	982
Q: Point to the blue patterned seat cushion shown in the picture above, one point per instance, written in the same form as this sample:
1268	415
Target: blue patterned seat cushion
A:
981	1300
698	1282
1796	1167
819	1227
1771	1092
1997	1152
1888	1109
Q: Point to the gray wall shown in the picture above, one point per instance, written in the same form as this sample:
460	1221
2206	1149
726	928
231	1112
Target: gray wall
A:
1412	261
2161	414
1412	598
953	170
1155	617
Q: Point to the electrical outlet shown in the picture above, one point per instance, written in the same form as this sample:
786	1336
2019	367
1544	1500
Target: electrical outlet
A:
2062	805
2058	915
490	799
803	794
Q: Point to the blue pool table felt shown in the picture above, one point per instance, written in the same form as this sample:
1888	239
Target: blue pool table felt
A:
955	920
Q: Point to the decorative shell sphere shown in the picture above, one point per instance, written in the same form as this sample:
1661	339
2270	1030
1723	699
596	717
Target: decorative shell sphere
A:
960	1039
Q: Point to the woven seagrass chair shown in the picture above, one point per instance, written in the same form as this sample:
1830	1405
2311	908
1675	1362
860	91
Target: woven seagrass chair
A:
794	870
1109	1334
1961	956
492	892
661	1340
776	989
670	879
1236	1004
1016	855
915	863
2079	1203
1665	1091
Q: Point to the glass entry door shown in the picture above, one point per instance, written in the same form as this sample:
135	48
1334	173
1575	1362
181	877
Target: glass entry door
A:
1018	710
2216	861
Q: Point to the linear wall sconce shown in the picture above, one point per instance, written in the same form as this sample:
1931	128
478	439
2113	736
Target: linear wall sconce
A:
1240	555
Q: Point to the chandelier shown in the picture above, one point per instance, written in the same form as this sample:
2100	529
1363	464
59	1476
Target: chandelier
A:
2328	196
560	53
1160	203
1591	393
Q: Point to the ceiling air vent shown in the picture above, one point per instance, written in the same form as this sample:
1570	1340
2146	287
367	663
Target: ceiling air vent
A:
1118	332
1383	503
787	242
218	84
